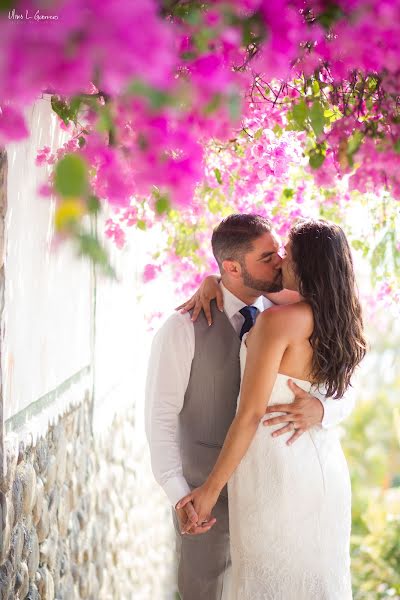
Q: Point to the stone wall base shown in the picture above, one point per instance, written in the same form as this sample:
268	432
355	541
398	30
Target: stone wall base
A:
81	518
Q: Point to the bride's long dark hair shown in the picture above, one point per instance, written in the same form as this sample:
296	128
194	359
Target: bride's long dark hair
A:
324	269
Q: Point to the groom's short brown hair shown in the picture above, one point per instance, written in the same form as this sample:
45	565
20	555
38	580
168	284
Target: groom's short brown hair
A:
234	236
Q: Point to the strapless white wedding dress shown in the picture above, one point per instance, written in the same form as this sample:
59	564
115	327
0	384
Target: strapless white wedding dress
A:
290	514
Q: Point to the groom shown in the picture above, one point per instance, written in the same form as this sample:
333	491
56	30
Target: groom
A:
192	388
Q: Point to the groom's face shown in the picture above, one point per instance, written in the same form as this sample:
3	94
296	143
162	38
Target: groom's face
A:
261	267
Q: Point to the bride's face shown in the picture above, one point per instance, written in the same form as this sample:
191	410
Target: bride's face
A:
289	278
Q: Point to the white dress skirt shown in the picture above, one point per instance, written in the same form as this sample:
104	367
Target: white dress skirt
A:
290	513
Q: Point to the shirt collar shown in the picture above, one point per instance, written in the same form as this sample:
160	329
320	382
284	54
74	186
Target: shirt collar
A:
232	304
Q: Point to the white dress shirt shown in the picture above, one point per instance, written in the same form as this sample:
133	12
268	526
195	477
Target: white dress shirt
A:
168	375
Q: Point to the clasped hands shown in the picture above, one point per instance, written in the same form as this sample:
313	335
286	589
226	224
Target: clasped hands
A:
194	510
306	411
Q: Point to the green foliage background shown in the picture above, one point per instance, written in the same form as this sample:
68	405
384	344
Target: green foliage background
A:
371	442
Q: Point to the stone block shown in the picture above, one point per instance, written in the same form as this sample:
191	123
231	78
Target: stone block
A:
45	584
65	590
10	464
61	456
39	503
54	502
17	544
83	586
22	581
28	478
5	526
17	494
48	550
43	527
41	457
6	579
33	593
63	512
51	474
21	452
33	556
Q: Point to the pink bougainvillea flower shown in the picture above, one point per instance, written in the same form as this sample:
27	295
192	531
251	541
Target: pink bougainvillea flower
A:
12	125
150	272
115	232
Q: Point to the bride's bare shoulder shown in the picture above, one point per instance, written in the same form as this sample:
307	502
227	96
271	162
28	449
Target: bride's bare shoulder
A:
296	320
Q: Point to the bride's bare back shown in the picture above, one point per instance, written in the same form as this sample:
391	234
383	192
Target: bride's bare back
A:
296	323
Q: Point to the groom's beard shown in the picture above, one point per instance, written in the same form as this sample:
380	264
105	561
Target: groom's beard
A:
260	284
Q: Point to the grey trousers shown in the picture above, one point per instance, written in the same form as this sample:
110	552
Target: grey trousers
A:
203	559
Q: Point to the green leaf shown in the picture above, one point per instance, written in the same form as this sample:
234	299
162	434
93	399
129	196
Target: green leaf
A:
354	143
214	205
315	88
71	176
90	246
397	146
66	112
288	193
141	225
258	133
218	175
162	204
253	29
299	114
193	16
61	108
157	98
201	39
234	105
188	56
333	114
331	14
317	117
93	204
359	245
74	108
213	104
105	121
380	251
372	83
316	158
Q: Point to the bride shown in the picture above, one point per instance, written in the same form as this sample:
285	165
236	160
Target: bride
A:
290	506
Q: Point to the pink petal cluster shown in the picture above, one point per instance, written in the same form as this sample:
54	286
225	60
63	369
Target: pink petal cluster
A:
115	233
12	124
150	272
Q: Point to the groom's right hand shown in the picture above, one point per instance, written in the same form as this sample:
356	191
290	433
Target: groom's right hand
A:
187	519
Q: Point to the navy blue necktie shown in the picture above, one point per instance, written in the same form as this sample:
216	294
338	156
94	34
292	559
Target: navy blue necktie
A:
249	313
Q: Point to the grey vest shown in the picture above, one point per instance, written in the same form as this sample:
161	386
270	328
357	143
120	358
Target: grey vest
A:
211	396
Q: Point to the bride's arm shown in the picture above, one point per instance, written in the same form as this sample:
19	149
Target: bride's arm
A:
267	344
201	299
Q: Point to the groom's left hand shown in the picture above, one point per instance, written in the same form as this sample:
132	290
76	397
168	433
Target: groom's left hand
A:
304	412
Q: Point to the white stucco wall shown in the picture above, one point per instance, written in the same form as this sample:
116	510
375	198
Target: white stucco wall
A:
51	298
47	314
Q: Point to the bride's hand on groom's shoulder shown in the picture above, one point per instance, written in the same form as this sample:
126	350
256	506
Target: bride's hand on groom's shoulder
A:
201	299
203	501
